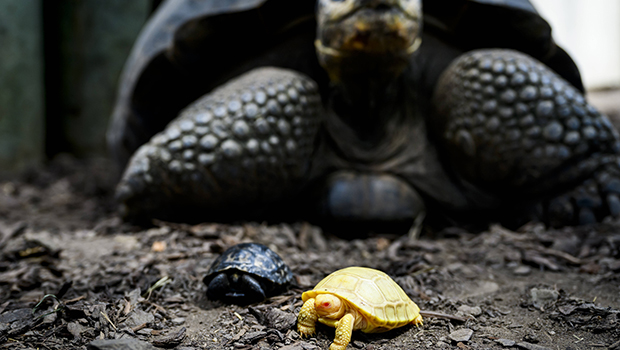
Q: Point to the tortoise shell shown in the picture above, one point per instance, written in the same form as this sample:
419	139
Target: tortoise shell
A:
255	259
372	293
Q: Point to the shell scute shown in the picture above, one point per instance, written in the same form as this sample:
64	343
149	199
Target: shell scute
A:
379	316
390	313
368	291
390	293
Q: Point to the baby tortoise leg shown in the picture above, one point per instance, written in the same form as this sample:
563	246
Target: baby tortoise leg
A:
306	321
513	127
242	146
344	329
418	321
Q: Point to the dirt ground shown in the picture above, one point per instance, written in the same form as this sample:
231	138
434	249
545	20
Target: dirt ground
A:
74	276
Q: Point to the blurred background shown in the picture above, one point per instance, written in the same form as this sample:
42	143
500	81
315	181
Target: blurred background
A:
60	61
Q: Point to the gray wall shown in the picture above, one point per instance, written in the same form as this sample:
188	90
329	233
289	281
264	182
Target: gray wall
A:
96	37
21	84
60	61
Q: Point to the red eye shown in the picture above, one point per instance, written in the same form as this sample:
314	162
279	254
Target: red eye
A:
325	304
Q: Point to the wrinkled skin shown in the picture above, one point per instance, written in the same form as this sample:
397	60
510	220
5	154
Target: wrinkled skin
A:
498	136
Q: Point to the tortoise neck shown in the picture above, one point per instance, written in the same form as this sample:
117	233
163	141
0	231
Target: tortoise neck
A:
368	94
366	84
367	104
373	123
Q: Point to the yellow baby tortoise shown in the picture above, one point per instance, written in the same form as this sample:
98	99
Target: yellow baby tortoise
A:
356	298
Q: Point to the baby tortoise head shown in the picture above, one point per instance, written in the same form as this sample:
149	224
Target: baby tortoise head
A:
357	36
236	287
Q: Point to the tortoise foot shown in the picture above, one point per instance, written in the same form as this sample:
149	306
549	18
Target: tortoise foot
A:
591	201
307	318
305	331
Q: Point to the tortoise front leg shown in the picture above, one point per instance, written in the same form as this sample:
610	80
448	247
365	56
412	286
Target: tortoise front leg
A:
235	150
344	329
306	321
515	129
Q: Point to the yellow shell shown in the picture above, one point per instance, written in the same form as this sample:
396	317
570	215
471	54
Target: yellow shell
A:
372	293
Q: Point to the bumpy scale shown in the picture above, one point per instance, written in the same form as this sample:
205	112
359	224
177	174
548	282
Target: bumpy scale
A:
356	298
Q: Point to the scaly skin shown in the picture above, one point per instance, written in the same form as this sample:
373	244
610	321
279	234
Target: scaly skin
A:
306	321
344	328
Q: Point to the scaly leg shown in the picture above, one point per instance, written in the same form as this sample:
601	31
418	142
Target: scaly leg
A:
344	329
517	130
234	150
306	321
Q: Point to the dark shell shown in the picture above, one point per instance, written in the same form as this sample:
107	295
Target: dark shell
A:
252	258
190	47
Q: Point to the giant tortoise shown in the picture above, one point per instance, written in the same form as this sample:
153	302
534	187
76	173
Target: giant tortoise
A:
359	111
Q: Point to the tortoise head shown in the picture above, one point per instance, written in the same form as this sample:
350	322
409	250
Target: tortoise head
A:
329	306
355	36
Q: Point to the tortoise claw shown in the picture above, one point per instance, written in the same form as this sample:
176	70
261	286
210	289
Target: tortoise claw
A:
305	332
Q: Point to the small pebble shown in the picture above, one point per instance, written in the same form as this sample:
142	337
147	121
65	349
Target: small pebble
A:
461	335
530	346
506	342
441	345
114	344
358	344
178	321
466	310
522	270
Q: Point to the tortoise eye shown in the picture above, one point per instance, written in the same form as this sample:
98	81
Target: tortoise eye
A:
326	304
